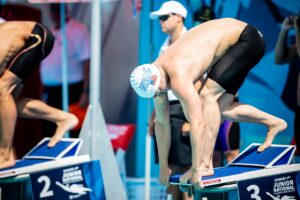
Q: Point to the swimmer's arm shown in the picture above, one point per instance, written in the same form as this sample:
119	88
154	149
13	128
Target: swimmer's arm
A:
192	108
162	127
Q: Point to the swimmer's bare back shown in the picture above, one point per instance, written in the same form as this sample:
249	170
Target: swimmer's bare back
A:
13	36
200	47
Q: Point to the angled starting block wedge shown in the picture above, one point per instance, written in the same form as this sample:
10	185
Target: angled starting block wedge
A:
65	148
41	157
54	173
275	155
250	164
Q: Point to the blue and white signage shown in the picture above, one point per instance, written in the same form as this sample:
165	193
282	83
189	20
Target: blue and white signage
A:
278	187
81	181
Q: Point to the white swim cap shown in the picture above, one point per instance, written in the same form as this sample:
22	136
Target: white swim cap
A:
145	80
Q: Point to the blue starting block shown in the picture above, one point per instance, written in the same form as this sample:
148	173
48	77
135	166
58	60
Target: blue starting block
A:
249	165
53	173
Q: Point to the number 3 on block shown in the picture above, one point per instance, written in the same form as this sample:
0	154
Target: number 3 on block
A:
255	194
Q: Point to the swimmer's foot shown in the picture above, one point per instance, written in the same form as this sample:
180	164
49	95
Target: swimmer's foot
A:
273	130
7	158
208	170
194	175
65	123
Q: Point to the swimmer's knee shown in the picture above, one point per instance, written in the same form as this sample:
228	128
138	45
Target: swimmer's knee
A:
225	102
3	93
210	96
204	93
211	92
8	82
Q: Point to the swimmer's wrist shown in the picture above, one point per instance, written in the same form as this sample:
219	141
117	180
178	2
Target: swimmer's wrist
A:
163	163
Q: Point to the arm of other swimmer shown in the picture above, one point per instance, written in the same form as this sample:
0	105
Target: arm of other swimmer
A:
283	52
162	127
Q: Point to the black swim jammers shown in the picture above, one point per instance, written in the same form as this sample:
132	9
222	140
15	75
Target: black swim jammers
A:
231	70
36	48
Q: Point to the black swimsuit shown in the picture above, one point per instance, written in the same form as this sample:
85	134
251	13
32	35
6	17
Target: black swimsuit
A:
232	69
36	48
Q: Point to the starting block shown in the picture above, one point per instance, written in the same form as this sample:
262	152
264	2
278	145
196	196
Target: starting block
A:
41	157
249	165
54	173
